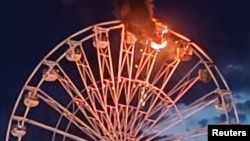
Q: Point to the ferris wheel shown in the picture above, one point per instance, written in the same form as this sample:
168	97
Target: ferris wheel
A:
102	84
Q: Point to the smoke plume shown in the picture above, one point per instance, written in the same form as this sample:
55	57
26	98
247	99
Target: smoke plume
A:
136	15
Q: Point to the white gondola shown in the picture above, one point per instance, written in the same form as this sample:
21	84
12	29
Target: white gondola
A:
100	43
183	51
74	54
204	76
31	100
223	108
223	104
18	131
50	75
101	38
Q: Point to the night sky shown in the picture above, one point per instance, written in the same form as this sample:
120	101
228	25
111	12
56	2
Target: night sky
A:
33	27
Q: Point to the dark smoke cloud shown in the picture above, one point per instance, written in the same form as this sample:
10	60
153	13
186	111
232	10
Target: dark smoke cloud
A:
137	16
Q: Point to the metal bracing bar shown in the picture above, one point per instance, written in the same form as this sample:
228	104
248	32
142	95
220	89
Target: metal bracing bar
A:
186	135
184	117
185	77
52	129
163	72
183	92
68	85
107	61
66	113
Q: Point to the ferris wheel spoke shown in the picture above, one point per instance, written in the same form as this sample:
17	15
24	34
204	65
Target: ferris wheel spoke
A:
172	70
80	101
196	133
135	117
101	41
67	114
115	113
89	107
137	120
49	128
156	107
164	72
137	109
128	91
60	119
107	116
126	55
170	119
141	123
159	117
146	64
184	117
126	61
184	136
93	92
181	91
167	77
197	105
106	68
86	73
94	124
125	70
186	77
131	111
159	106
144	118
71	88
92	95
206	97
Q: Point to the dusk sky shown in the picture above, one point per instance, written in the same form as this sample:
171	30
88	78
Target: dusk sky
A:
34	27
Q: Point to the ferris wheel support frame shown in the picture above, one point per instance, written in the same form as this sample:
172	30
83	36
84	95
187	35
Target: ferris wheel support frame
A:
86	73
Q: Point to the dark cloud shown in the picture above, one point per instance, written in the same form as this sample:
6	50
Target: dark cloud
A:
203	122
242	94
242	117
220	119
238	76
243	112
244	108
